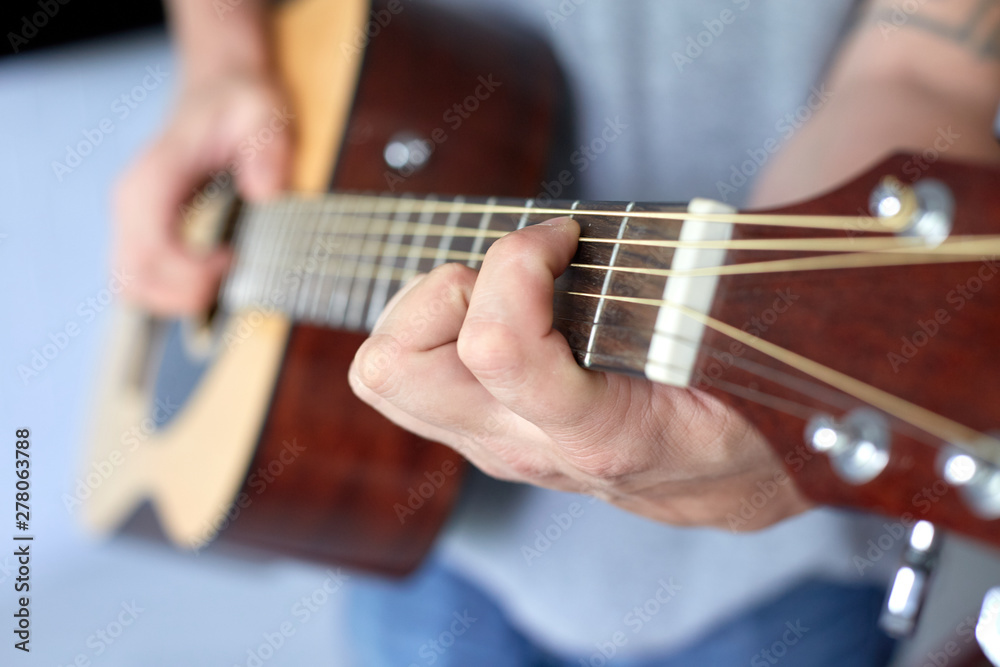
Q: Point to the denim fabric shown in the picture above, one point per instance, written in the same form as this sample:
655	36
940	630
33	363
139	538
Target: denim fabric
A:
438	618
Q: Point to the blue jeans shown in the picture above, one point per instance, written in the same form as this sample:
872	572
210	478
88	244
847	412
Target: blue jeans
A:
415	623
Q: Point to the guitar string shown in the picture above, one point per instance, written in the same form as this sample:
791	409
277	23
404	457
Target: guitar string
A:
791	359
856	223
935	424
956	245
873	259
973	442
801	385
951	251
804	385
829	244
400	273
840	244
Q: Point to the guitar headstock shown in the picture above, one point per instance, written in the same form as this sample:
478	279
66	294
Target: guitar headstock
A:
889	398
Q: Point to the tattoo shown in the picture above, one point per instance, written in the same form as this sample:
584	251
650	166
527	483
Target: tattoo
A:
979	32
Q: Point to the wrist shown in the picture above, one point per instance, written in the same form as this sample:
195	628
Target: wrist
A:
216	45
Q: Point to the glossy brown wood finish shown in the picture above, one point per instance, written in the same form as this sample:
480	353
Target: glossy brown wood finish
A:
340	500
852	321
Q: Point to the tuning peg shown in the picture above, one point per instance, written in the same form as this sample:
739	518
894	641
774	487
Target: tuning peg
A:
977	481
925	210
858	445
988	627
905	600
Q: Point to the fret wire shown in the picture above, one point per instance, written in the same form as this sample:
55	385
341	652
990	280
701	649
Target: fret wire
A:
340	295
446	238
358	302
484	223
418	242
227	294
330	239
311	240
390	250
599	310
284	268
269	252
244	260
528	205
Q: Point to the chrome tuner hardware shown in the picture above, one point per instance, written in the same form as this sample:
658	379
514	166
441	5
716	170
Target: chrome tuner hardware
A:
407	153
988	626
905	600
858	445
977	481
928	205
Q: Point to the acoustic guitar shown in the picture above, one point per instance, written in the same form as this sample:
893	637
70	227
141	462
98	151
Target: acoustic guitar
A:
857	331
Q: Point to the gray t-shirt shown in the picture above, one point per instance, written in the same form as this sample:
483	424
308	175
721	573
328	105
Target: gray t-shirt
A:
694	89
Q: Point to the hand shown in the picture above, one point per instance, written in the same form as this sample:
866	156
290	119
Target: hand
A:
473	362
230	122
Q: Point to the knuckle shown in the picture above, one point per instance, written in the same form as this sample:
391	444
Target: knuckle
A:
528	468
490	351
453	282
513	246
377	364
607	465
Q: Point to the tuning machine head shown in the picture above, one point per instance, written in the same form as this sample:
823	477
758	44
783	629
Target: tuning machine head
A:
858	445
978	481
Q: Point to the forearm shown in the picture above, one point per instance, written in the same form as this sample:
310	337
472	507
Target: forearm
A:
930	64
925	82
217	37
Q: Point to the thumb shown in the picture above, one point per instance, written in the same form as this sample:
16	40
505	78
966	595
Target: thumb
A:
263	156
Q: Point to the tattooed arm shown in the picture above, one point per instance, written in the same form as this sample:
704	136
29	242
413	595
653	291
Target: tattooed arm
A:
915	75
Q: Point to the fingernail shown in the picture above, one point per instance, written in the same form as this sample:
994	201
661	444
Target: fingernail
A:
555	222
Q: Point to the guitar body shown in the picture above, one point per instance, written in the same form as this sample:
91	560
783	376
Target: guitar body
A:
259	440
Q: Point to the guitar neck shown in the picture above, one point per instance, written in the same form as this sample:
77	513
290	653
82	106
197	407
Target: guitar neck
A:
336	261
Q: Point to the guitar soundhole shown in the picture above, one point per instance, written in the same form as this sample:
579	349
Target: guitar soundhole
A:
178	370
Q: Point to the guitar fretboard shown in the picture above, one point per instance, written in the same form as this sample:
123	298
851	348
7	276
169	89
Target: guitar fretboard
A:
336	261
